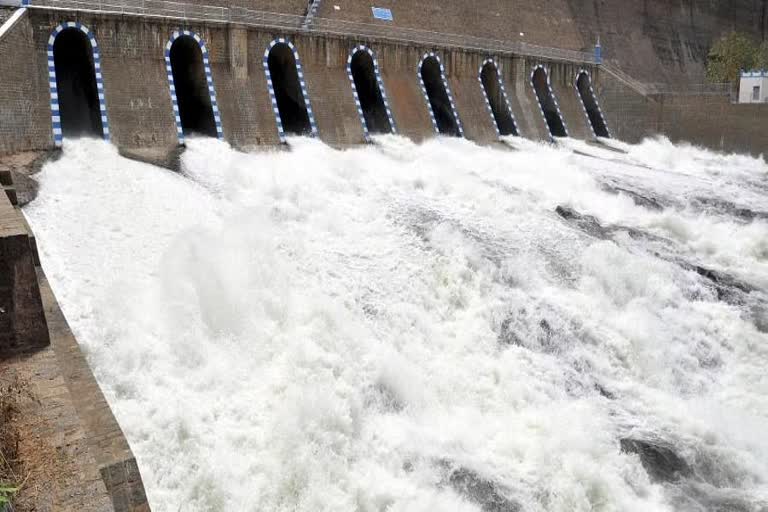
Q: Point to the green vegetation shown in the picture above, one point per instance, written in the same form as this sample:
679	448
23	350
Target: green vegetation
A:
6	493
732	54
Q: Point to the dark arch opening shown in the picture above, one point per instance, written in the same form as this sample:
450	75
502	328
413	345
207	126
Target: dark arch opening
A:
288	93
432	76
369	93
192	94
76	85
489	77
588	99
547	103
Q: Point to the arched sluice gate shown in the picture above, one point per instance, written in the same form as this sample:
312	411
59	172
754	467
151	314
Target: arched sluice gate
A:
76	84
193	99
438	97
591	105
547	102
369	92
496	98
287	89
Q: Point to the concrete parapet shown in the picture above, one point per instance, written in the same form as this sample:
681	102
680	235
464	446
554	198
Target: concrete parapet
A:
22	322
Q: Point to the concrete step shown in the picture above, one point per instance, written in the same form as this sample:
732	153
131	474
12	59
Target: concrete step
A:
31	235
10	191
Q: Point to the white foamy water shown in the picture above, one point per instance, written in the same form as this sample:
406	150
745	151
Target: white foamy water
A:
419	327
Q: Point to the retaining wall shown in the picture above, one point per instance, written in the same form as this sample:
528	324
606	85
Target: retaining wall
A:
714	122
25	118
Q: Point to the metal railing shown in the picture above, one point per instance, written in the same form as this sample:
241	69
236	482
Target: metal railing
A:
702	89
626	79
666	89
295	23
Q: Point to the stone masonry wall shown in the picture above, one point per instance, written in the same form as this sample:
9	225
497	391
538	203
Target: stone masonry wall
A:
715	122
545	23
139	103
25	114
630	116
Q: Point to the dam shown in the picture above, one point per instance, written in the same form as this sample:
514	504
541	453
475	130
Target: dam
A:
388	255
150	71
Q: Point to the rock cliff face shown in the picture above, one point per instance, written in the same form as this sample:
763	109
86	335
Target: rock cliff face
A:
653	40
664	40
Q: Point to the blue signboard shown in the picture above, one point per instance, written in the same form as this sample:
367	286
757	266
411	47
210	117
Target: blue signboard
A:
382	14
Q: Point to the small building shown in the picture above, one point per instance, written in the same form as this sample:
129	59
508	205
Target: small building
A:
753	87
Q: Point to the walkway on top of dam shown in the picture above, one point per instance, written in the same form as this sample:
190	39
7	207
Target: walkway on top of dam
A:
311	25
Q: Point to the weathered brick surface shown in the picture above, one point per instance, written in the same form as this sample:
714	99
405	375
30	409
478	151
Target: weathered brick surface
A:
562	78
399	67
297	7
715	122
325	67
25	114
516	72
5	13
463	70
630	116
545	23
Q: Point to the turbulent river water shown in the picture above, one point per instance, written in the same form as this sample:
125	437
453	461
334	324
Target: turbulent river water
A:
435	327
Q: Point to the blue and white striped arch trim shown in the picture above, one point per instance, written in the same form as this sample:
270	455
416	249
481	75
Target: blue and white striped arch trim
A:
302	83
503	93
363	48
447	90
554	99
58	135
208	77
584	107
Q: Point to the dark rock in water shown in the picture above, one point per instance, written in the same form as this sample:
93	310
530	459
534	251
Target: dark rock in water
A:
660	461
525	331
382	397
507	336
728	208
483	492
760	318
696	496
639	199
586	223
728	288
604	392
722	279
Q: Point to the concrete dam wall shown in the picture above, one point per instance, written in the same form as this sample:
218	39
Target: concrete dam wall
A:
130	101
254	73
657	42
